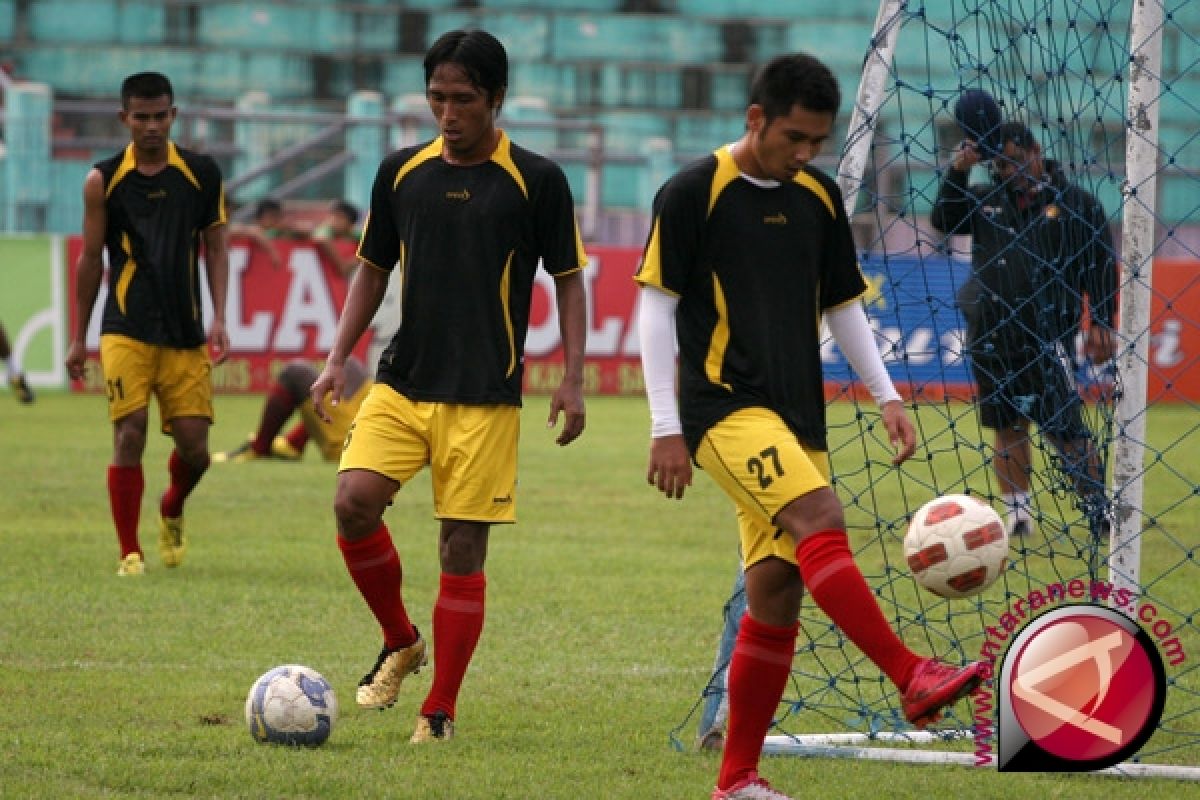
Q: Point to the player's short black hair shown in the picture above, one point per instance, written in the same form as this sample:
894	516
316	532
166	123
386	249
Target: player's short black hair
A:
795	79
146	85
347	209
1016	132
480	54
267	206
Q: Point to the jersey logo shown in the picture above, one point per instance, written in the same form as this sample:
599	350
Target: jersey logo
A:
462	195
776	219
158	194
1051	211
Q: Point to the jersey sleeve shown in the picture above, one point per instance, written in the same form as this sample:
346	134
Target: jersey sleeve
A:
676	231
558	230
841	279
380	242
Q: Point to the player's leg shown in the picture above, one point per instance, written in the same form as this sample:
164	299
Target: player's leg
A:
759	462
999	407
474	465
386	446
15	375
184	388
761	661
285	394
127	366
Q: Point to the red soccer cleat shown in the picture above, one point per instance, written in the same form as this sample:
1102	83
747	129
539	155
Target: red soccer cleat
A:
935	686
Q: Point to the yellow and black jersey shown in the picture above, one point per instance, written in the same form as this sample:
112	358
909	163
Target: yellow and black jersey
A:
754	264
467	241
153	235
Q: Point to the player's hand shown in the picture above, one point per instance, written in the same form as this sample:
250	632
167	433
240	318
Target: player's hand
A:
670	466
568	398
966	156
218	341
330	383
1100	345
76	358
900	431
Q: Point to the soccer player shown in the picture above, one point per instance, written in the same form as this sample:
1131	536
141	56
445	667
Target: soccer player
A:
465	219
749	248
289	392
152	206
16	377
1040	244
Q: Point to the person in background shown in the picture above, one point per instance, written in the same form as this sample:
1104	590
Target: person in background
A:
289	393
340	225
154	207
1041	250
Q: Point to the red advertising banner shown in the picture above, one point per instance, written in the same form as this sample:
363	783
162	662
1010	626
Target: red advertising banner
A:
276	313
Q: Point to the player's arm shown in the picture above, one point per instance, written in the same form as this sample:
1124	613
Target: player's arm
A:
89	269
670	467
216	263
853	334
954	202
1100	286
571	300
362	301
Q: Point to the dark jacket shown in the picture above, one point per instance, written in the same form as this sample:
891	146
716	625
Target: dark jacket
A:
1033	260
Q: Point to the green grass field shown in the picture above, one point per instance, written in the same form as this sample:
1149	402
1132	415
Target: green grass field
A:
604	608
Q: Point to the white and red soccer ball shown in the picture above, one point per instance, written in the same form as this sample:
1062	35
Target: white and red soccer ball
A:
956	545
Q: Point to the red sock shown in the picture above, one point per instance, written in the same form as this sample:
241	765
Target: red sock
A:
374	565
838	587
280	405
758	673
184	477
457	624
297	437
125	487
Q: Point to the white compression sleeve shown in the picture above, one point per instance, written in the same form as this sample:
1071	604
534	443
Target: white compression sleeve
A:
656	335
854	336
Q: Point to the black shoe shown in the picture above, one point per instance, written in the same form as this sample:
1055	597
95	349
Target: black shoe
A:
1021	529
21	388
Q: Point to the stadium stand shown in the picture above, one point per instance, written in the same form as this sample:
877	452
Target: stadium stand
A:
673	70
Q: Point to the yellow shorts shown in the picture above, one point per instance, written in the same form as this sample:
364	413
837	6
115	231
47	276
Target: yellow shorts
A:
331	436
762	466
471	451
133	370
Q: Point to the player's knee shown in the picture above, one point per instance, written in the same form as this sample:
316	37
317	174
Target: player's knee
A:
816	511
356	517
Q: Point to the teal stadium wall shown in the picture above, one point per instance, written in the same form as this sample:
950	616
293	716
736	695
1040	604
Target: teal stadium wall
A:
679	74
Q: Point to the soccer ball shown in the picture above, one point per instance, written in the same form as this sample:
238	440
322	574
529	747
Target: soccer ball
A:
293	705
956	545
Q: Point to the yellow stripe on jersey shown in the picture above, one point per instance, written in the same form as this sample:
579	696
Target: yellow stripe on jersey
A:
126	272
431	150
726	173
128	165
720	338
508	326
650	271
814	186
175	160
503	157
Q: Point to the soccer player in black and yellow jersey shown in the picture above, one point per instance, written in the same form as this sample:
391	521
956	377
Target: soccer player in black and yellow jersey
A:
749	249
153	207
465	219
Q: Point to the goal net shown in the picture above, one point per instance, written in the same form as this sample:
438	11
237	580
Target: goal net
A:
1112	99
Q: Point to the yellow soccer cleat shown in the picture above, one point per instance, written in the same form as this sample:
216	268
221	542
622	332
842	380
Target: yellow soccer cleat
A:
380	687
172	543
131	566
437	727
282	449
238	455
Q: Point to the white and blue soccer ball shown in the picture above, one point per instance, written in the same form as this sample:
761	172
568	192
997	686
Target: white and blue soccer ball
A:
293	705
956	545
